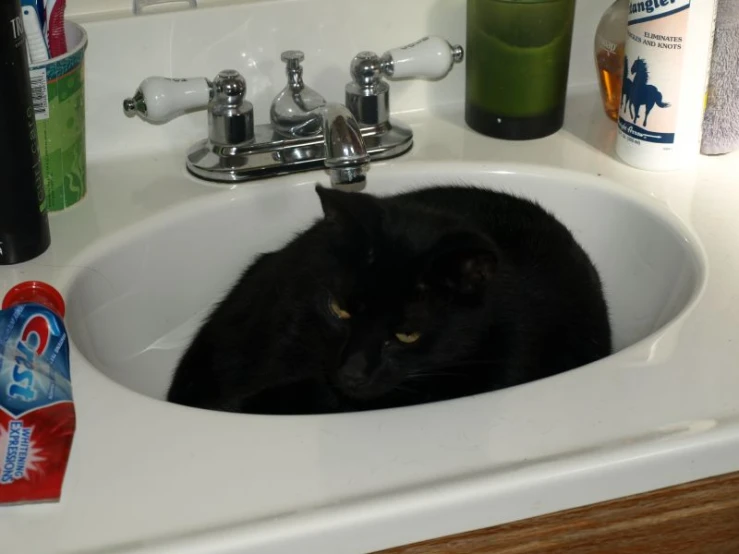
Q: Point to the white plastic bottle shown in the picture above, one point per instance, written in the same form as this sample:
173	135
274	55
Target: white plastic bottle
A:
668	60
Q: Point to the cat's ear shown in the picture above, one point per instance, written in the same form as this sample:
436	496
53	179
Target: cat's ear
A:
462	262
350	209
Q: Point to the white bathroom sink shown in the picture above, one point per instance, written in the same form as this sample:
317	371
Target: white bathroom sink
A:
141	294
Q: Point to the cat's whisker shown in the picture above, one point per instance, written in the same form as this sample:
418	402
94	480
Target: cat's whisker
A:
422	374
449	369
432	374
405	388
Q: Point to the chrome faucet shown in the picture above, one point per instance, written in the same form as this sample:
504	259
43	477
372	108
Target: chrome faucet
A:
299	111
346	157
293	110
305	132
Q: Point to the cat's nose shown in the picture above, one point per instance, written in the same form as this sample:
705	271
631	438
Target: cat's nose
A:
354	373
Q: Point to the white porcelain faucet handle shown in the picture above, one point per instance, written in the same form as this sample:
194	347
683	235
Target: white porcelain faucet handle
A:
430	58
159	99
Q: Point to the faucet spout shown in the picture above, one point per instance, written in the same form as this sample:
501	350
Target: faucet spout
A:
347	159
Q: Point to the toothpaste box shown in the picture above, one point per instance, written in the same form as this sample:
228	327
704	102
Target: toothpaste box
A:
37	417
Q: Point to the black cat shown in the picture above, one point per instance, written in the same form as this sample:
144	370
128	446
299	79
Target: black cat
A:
429	295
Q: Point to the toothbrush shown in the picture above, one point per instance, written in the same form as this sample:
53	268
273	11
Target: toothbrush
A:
55	35
37	51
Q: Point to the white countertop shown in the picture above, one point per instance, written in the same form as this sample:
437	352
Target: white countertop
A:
147	476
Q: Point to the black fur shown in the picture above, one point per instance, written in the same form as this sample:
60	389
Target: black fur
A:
498	289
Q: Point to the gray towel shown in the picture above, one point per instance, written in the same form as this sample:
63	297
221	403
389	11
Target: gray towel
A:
721	120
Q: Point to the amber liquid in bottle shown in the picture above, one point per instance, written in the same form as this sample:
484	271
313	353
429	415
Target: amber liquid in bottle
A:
610	76
610	37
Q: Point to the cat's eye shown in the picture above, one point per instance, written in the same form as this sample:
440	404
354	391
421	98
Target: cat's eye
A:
408	338
337	310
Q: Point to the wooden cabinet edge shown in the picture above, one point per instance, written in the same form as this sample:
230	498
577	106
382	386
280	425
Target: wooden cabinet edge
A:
701	517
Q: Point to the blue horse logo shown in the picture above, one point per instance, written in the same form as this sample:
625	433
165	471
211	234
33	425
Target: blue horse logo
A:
626	89
640	93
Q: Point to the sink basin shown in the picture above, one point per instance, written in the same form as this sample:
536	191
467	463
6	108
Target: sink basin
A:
142	294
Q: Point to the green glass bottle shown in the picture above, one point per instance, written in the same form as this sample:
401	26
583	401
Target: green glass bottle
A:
518	57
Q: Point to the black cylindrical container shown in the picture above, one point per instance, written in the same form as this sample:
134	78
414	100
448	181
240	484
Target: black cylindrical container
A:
24	226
